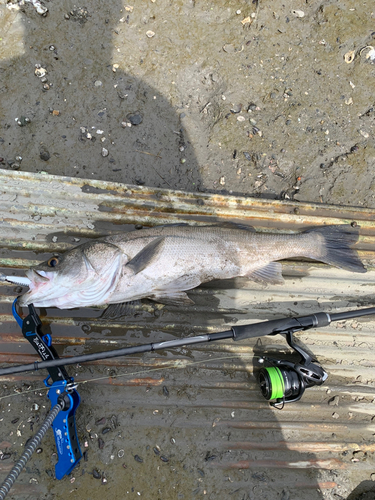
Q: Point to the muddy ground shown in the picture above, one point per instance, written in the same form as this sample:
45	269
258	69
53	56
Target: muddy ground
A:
265	99
236	96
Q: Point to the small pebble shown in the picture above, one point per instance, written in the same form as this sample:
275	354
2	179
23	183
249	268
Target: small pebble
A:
164	459
298	13
105	430
100	443
96	474
135	118
98	83
156	451
165	391
252	107
121	453
150	34
101	421
39	450
40	72
105	152
334	401
22	121
44	155
137	458
104	479
5	456
236	108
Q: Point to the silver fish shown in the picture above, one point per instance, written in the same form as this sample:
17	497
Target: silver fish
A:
163	262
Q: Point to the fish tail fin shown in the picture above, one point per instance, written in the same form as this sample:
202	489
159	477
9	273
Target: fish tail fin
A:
335	246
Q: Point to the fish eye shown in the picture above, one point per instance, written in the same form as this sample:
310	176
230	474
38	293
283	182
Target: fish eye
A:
53	261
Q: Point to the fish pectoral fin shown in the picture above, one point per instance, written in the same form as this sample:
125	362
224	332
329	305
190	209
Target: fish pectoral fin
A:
146	255
173	298
271	273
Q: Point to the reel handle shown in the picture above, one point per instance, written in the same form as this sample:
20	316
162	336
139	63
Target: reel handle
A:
277	326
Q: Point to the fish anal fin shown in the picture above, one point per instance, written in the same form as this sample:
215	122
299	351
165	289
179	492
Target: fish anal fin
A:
271	273
146	255
173	299
114	311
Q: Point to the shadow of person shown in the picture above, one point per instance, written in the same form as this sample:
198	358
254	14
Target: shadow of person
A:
73	109
86	115
364	491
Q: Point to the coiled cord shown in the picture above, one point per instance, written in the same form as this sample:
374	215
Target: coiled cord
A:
29	450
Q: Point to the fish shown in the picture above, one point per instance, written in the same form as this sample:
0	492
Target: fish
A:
163	262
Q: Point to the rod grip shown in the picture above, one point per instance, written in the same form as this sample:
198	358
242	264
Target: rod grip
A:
276	326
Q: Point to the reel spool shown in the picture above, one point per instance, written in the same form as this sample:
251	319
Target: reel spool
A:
284	381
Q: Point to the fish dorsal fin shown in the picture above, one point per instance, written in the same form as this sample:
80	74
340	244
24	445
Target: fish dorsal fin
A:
271	273
146	255
173	224
233	225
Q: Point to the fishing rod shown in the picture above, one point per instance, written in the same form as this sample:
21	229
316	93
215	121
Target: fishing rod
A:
283	326
281	381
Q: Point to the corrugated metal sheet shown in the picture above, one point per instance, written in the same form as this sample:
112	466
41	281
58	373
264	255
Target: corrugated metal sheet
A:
202	404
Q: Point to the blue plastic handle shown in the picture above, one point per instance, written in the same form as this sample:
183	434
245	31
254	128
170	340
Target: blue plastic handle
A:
64	429
17	317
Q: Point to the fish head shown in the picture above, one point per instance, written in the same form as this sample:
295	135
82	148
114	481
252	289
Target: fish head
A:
83	276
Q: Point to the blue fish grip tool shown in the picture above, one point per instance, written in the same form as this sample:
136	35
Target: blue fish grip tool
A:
62	392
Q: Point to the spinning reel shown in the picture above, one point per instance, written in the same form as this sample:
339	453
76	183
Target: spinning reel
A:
284	381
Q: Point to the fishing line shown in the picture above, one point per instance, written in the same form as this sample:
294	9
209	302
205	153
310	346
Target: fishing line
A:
184	364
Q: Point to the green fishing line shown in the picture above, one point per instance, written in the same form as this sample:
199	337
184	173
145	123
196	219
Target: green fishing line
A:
276	382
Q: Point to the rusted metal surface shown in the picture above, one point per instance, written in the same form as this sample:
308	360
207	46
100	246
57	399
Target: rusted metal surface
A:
205	397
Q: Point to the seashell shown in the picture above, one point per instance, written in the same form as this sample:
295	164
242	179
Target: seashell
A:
349	56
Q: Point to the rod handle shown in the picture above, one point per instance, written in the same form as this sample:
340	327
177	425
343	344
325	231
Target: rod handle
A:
284	325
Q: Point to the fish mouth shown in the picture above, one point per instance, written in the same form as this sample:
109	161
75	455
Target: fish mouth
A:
38	287
38	276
